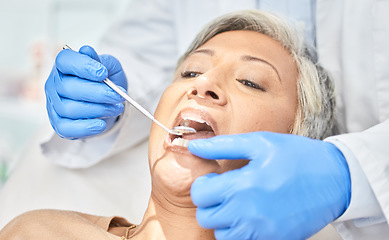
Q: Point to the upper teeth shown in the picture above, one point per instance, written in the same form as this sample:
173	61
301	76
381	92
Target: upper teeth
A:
187	120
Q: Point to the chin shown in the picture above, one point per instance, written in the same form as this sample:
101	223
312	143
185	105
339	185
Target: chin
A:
173	167
175	171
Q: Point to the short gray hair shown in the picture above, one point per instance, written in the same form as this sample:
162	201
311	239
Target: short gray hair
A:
316	98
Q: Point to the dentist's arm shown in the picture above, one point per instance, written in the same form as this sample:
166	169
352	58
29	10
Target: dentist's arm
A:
292	187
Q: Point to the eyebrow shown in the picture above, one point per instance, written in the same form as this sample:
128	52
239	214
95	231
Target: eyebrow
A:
205	51
249	58
246	58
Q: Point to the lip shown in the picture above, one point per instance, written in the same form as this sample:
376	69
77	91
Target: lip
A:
190	113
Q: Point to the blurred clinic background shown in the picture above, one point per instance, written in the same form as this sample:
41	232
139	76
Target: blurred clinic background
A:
32	33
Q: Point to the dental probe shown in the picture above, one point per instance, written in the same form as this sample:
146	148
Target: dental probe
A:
180	130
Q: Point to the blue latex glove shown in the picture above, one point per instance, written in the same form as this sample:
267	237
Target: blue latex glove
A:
78	103
292	187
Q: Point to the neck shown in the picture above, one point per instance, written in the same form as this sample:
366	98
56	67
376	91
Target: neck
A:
165	220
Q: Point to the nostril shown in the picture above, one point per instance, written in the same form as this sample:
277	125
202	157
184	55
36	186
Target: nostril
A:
213	95
201	94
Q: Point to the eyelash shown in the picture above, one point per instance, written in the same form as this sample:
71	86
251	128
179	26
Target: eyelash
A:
189	74
251	84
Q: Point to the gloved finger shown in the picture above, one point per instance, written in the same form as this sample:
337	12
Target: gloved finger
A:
112	64
227	146
222	234
68	108
73	129
211	189
215	217
233	233
79	89
90	51
80	65
115	70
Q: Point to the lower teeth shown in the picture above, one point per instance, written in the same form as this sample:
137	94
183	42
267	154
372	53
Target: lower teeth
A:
180	142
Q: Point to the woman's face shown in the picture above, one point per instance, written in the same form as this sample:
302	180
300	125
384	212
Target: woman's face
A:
237	82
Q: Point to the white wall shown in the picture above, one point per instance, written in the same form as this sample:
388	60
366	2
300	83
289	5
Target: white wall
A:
24	22
31	34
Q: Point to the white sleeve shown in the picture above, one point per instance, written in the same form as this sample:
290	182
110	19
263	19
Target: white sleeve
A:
88	152
78	153
367	157
144	43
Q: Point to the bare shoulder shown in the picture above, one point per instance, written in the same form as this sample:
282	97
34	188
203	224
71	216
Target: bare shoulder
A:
53	224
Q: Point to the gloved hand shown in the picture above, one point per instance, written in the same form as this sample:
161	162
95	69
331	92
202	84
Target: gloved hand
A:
292	187
78	103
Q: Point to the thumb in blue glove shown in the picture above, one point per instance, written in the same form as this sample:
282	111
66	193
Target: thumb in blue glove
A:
79	104
292	187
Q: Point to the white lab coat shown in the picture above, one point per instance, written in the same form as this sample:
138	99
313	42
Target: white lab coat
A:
352	41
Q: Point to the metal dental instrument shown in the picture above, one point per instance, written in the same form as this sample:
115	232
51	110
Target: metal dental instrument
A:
180	130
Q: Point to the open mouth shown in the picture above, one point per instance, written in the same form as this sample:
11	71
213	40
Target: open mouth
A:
203	129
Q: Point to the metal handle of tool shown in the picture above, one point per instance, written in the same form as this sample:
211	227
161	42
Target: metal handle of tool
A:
134	103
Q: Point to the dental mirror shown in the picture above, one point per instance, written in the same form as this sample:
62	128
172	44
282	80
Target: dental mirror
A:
181	130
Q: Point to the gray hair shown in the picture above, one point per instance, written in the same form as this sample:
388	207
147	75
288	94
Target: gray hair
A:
316	98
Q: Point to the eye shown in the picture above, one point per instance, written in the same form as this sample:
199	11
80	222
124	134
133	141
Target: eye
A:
190	74
251	84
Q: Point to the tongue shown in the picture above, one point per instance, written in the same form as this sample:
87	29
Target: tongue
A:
200	134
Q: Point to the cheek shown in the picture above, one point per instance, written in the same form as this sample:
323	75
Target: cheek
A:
266	114
169	100
166	108
157	134
164	103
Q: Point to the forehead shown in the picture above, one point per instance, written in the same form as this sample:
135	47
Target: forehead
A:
238	43
244	40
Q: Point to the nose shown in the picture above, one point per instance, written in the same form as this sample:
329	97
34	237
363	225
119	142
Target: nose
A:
205	89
